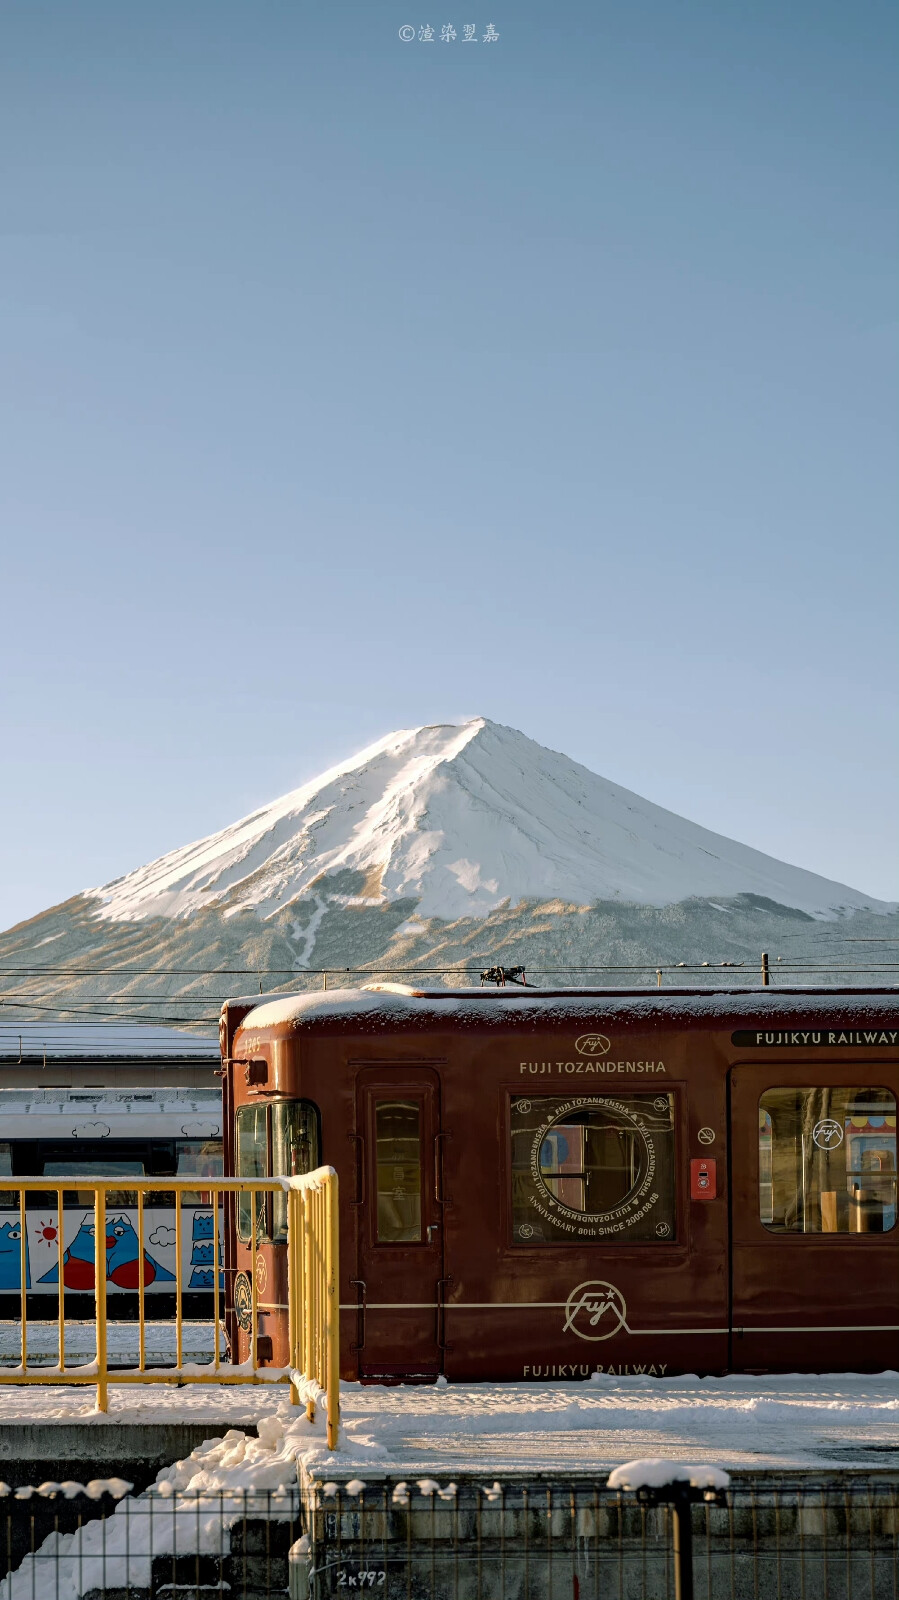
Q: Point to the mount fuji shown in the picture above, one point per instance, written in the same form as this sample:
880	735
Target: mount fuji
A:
448	845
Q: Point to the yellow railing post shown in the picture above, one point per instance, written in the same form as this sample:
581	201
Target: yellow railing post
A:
100	1295
292	1293
141	1285
254	1286
60	1284
23	1278
309	1307
179	1331
216	1309
332	1382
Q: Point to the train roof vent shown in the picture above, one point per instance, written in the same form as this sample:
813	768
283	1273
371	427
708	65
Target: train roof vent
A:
393	988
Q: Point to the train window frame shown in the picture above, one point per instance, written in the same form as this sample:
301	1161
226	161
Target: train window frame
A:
847	1215
158	1155
308	1117
198	1196
271	1207
251	1218
619	1239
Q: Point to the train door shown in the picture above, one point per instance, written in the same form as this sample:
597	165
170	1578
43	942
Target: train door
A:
400	1232
815	1259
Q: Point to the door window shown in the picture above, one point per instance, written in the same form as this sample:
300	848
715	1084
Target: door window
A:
827	1160
398	1161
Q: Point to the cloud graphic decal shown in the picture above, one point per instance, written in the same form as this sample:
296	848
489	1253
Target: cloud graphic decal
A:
90	1130
201	1130
163	1236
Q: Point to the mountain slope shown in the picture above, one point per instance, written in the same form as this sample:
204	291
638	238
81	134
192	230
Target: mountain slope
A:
460	820
445	849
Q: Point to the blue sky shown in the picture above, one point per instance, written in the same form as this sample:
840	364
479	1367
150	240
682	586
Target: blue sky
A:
349	384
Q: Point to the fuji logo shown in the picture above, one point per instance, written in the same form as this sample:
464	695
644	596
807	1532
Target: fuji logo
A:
592	1044
595	1305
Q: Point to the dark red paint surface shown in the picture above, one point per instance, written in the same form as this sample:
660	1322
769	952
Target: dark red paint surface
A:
726	1294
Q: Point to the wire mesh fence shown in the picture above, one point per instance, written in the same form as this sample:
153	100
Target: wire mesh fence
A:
68	1542
764	1539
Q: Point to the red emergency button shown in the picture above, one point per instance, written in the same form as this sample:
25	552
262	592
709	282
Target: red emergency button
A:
702	1178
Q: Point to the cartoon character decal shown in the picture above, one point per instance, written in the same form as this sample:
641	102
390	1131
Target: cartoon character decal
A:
77	1261
11	1257
122	1258
202	1256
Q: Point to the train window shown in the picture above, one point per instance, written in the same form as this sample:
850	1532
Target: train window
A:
198	1158
295	1150
59	1160
593	1167
95	1169
827	1160
7	1199
398	1159
252	1162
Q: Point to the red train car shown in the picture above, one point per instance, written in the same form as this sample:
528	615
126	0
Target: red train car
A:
542	1184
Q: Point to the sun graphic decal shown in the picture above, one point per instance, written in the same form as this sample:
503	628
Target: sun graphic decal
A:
47	1232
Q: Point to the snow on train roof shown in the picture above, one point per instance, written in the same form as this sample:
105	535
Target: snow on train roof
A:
394	1003
98	1039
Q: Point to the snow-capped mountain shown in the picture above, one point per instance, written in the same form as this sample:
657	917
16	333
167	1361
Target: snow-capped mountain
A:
439	849
461	819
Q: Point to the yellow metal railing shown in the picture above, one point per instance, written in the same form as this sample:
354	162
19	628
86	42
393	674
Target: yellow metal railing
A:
312	1256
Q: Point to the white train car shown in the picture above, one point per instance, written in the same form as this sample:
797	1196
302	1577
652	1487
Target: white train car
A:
108	1103
63	1135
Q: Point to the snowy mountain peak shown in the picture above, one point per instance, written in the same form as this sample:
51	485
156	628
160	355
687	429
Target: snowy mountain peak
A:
460	818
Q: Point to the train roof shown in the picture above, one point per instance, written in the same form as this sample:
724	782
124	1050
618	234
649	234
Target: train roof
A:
396	1006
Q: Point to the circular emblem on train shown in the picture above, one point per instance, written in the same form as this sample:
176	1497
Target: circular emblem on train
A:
592	1044
559	1152
243	1301
828	1133
595	1310
706	1136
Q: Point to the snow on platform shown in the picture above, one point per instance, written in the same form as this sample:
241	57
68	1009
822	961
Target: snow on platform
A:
740	1423
122	1343
783	1423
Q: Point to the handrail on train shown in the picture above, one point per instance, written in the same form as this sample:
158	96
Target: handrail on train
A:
312	1280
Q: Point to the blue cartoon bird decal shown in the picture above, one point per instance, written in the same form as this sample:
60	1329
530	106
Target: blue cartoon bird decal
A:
123	1254
11	1257
121	1258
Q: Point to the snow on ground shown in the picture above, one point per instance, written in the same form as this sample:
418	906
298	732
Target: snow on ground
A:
461	818
787	1423
741	1423
122	1343
221	1406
